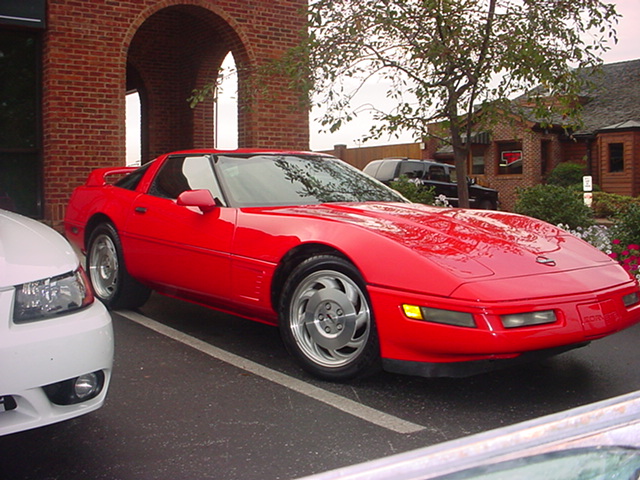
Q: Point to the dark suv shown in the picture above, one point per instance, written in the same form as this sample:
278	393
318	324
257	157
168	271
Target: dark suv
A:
441	176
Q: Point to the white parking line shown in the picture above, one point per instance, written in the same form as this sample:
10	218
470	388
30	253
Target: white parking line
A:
356	409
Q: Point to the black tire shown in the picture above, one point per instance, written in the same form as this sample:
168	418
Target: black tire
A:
326	320
111	282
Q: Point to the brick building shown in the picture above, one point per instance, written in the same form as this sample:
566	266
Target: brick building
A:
67	65
519	153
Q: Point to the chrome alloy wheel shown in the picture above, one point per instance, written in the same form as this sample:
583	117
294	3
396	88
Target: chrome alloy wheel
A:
103	266
330	318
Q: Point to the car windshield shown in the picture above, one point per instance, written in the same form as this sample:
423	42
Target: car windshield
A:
270	180
590	463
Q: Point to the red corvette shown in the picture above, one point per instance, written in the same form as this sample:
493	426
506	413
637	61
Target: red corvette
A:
356	277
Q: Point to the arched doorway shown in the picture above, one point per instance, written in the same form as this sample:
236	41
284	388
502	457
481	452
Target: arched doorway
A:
176	50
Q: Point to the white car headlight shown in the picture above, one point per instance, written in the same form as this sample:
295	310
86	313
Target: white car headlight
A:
52	296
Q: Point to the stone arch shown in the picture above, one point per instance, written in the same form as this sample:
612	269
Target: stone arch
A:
174	50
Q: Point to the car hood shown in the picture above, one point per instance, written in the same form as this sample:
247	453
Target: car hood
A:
469	243
31	251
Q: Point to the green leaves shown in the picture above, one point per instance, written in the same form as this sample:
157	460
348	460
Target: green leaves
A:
438	51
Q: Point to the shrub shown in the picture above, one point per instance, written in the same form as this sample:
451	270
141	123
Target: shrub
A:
626	228
554	204
606	205
414	191
566	175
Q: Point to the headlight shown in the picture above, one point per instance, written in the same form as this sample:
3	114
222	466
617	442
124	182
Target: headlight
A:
528	319
52	296
631	299
437	315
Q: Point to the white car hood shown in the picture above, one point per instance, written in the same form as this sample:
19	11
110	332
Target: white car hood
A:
29	250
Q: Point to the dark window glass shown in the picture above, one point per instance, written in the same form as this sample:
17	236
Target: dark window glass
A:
179	174
412	169
20	165
477	160
131	181
545	157
438	174
20	183
616	157
510	158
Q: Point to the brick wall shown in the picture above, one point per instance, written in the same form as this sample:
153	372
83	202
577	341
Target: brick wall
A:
172	46
532	155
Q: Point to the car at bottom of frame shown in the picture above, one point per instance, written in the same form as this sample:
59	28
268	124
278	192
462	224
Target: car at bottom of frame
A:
357	278
56	342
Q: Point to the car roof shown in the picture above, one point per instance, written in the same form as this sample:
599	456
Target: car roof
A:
429	161
407	159
247	151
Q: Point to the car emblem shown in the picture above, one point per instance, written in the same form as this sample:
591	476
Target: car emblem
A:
546	261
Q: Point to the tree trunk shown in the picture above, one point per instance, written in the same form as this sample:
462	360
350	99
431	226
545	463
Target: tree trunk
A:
460	154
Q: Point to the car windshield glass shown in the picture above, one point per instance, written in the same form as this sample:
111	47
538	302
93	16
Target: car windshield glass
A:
597	463
269	180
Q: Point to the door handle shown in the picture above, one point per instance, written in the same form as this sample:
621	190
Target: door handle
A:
140	210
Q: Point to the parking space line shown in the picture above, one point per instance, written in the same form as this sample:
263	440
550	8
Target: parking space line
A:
346	405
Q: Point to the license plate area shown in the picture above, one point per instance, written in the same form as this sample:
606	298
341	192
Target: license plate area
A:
599	317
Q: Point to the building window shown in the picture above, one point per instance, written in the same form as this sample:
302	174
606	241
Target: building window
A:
477	160
616	157
20	164
545	157
510	158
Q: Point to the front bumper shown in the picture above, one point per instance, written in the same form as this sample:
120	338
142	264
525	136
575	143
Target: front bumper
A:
47	352
429	349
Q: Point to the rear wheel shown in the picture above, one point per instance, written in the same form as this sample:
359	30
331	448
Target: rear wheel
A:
326	320
111	282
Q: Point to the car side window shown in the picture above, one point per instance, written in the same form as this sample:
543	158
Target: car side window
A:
179	174
412	170
438	173
131	181
387	171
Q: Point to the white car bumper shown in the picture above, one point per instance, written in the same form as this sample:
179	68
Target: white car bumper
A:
41	353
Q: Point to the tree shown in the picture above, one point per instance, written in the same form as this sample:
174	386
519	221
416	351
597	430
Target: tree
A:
443	61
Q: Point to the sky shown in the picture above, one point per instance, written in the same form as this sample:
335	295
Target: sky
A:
627	48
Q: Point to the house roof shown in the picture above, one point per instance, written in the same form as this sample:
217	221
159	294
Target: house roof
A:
614	102
623	125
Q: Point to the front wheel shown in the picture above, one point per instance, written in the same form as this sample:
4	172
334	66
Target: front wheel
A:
326	320
111	282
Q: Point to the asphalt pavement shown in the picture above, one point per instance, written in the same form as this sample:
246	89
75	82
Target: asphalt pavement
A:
202	395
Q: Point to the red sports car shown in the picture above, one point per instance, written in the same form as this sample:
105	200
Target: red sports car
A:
356	277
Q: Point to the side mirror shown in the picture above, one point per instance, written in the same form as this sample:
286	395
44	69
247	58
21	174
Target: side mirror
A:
201	199
471	181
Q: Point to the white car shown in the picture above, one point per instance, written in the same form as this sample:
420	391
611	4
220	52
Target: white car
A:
56	342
